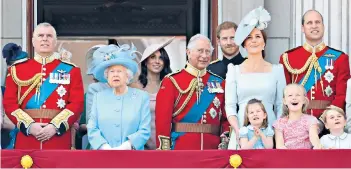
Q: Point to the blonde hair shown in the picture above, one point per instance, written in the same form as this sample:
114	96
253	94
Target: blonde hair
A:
329	109
246	117
304	106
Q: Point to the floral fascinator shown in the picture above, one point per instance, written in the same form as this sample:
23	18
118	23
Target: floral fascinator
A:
257	18
113	55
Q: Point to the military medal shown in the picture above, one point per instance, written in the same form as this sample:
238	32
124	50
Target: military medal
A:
52	78
329	76
61	103
328	91
219	87
214	88
327	65
64	78
209	87
331	67
216	102
213	113
61	91
60	78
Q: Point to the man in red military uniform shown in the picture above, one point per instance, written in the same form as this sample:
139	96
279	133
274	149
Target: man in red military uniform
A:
322	70
190	104
44	95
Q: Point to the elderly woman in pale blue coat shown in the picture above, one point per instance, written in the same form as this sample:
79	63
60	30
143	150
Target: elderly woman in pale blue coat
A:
120	115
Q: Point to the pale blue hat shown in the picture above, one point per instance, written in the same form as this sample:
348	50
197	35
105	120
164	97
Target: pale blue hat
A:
92	60
114	55
257	18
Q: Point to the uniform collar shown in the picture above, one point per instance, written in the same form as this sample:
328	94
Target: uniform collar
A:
234	59
341	137
45	60
193	71
314	49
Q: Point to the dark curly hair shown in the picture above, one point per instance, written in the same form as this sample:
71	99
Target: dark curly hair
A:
166	68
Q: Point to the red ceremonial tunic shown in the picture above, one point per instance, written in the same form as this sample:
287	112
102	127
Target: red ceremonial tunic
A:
68	106
334	80
166	106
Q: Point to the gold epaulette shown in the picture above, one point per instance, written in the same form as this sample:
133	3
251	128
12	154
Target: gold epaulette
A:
70	63
215	61
20	61
293	49
214	74
173	73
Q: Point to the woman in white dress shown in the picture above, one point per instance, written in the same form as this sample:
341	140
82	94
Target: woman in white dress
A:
255	77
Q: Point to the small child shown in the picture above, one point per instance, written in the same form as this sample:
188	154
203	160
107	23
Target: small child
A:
295	129
256	134
335	120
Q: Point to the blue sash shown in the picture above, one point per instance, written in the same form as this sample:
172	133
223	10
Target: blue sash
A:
47	88
196	112
322	62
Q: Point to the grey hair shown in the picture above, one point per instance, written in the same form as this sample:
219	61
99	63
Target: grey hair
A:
129	75
304	106
197	37
44	24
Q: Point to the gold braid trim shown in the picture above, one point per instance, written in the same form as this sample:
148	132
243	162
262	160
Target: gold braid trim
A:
62	117
22	117
34	82
23	82
308	73
292	70
190	88
179	89
312	62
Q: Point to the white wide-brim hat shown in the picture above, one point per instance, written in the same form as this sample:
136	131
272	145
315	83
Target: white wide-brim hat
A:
154	47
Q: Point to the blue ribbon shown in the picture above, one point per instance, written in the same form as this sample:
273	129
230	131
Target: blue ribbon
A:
322	62
12	135
196	112
47	88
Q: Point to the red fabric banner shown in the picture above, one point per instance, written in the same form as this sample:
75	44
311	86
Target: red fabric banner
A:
178	159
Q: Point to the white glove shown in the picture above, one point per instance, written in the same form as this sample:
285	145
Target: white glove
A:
124	146
105	147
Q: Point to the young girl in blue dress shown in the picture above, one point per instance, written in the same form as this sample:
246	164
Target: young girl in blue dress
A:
256	134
